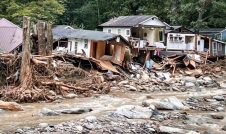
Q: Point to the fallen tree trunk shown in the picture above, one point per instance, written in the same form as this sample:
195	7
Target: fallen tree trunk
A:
10	106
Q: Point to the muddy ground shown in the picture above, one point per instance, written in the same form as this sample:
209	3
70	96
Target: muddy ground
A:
146	103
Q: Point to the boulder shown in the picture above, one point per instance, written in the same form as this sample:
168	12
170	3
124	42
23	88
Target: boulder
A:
43	125
216	116
75	110
170	130
91	118
208	80
163	105
189	84
49	112
134	112
79	128
176	102
171	103
220	109
218	98
224	128
189	79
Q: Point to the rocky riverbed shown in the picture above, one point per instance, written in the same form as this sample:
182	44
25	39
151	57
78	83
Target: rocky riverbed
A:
181	104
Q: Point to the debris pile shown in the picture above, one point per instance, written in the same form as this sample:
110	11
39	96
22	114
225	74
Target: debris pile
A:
51	76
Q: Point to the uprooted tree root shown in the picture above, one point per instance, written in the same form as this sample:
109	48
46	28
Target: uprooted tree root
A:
46	81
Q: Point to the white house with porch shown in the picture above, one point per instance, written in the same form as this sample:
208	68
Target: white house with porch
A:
141	31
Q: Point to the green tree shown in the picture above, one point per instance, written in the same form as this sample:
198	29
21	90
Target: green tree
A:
47	10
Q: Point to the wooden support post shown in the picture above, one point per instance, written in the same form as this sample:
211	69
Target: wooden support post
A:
41	38
26	56
49	39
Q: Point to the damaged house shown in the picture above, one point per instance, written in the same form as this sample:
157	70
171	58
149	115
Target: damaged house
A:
91	44
144	32
140	31
11	37
179	38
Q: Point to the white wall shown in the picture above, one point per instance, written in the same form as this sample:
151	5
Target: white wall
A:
180	45
153	22
80	46
114	30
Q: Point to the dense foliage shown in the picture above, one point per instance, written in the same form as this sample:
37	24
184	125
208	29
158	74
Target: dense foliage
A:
90	13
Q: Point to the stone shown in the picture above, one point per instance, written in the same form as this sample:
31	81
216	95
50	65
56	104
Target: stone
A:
91	118
171	103
189	84
216	116
75	110
166	129
70	96
43	125
2	111
134	112
89	126
208	80
176	102
49	112
145	76
219	98
163	105
224	128
207	132
189	79
220	109
20	131
79	128
222	84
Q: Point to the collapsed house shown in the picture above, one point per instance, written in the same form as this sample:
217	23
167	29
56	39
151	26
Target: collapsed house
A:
11	37
95	45
144	32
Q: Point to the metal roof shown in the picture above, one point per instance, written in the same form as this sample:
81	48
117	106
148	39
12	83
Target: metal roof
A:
60	32
212	30
174	28
64	31
127	21
11	36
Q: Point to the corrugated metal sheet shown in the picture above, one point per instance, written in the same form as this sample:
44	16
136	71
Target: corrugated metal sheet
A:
126	21
11	36
61	32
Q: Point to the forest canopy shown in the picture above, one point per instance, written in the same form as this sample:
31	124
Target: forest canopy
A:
88	14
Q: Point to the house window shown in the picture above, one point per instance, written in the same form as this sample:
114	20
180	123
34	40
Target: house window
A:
160	35
119	31
128	32
86	44
109	30
76	47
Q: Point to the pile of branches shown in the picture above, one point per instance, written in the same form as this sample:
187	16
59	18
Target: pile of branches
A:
49	77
